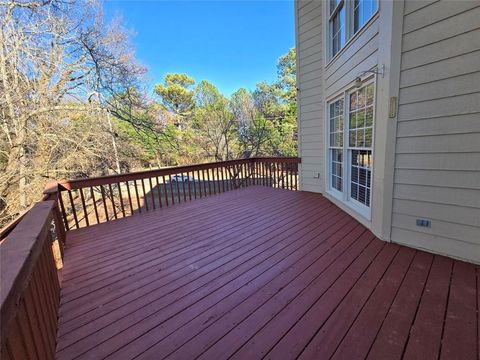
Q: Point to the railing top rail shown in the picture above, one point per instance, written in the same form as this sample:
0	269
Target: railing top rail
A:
19	253
108	179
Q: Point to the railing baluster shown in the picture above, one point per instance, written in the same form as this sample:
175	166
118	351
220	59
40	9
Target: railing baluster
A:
145	200
113	201
73	208
189	188
151	192
223	178
159	191
94	204
129	197
171	190
296	176
84	207
122	207
204	183
287	174
165	190
104	203
64	213
199	184
178	189
139	208
209	182
194	184
183	189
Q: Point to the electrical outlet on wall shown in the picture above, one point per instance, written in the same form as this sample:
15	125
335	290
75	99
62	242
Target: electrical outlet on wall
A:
423	222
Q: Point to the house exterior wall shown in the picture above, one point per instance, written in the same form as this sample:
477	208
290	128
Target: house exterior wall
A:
437	161
427	157
309	99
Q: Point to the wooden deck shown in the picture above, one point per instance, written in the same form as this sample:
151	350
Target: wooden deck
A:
260	273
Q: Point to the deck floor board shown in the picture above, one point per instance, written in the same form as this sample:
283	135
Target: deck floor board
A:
259	273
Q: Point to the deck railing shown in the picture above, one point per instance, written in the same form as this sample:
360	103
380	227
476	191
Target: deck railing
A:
84	202
30	286
30	290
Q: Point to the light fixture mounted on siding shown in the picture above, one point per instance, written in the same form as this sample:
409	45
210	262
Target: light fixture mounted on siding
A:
377	71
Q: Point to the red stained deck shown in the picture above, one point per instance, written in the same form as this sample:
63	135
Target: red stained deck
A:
260	273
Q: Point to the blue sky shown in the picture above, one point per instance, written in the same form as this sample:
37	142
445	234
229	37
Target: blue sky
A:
233	44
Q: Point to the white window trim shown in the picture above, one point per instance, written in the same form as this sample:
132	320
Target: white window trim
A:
344	197
334	192
349	26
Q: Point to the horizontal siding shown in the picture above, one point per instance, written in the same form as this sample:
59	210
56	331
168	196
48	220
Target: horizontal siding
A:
444	229
310	97
443	178
443	69
441	30
437	165
454	124
437	127
437	212
435	12
437	244
441	161
463	85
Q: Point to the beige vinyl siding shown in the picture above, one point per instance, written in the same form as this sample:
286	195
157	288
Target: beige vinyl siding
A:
310	100
437	163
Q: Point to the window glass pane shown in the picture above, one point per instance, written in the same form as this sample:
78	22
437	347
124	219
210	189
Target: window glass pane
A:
353	138
368	137
360	138
353	101
336	144
362	12
369	117
361	119
336	168
337	35
370	94
361	98
339	127
360	182
353	120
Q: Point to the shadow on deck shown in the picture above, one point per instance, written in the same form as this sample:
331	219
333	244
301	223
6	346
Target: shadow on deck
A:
259	272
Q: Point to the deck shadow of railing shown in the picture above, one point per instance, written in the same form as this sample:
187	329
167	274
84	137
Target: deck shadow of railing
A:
84	202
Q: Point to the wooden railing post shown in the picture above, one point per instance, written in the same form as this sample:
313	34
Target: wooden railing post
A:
30	289
52	192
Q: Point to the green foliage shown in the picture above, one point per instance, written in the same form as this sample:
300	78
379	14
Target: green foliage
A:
198	123
177	94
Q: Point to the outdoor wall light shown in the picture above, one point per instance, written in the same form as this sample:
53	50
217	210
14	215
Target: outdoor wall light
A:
376	71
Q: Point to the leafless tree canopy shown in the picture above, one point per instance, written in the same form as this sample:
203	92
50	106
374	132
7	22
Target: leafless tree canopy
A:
62	72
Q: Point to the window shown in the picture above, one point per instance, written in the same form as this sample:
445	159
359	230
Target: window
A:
350	160
346	18
360	143
336	144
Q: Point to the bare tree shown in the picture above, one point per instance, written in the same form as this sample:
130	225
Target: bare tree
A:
53	55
